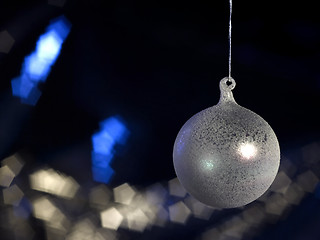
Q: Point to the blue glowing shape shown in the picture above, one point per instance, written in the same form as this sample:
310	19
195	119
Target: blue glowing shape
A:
25	89
114	127
36	67
33	97
102	175
112	132
101	160
61	26
103	142
49	46
21	86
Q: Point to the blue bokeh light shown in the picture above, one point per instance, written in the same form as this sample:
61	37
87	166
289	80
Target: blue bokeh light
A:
36	67
103	142
102	174
112	131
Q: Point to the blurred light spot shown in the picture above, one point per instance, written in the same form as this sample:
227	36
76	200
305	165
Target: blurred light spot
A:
162	216
101	174
12	195
179	213
235	227
14	163
211	234
100	196
153	212
307	181
23	209
6	176
112	131
276	204
54	234
115	128
58	3
6	41
103	144
254	214
45	210
83	229
155	197
48	48
145	209
294	194
105	234
124	194
247	150
156	194
198	209
26	90
288	167
176	189
137	220
50	181
111	218
37	65
35	68
281	183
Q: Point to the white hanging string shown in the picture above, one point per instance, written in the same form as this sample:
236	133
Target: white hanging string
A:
230	1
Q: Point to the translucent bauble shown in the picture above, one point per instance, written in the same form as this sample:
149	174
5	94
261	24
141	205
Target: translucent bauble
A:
226	156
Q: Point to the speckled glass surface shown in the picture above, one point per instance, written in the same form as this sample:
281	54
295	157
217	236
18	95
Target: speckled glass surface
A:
226	156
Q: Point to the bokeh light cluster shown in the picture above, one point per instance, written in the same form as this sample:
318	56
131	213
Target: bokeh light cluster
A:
68	210
36	67
113	131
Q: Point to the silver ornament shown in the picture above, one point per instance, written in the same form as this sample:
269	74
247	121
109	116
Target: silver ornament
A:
226	156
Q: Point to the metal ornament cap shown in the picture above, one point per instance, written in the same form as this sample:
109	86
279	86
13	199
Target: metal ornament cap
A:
226	156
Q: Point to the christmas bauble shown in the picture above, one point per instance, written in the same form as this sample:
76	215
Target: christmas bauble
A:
226	156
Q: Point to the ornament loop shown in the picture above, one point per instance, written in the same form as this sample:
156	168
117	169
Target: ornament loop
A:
226	90
228	83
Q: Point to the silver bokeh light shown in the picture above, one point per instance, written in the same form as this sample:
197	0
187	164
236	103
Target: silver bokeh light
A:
226	156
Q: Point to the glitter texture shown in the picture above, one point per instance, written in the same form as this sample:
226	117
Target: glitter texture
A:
226	156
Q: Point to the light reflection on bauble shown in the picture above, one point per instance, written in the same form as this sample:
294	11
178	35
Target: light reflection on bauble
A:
248	151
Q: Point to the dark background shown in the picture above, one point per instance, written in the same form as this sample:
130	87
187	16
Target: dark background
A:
155	64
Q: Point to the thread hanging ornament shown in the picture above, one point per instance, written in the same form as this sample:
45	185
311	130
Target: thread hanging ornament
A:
226	156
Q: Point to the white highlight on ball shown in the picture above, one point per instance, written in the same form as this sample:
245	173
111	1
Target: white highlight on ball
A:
248	150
